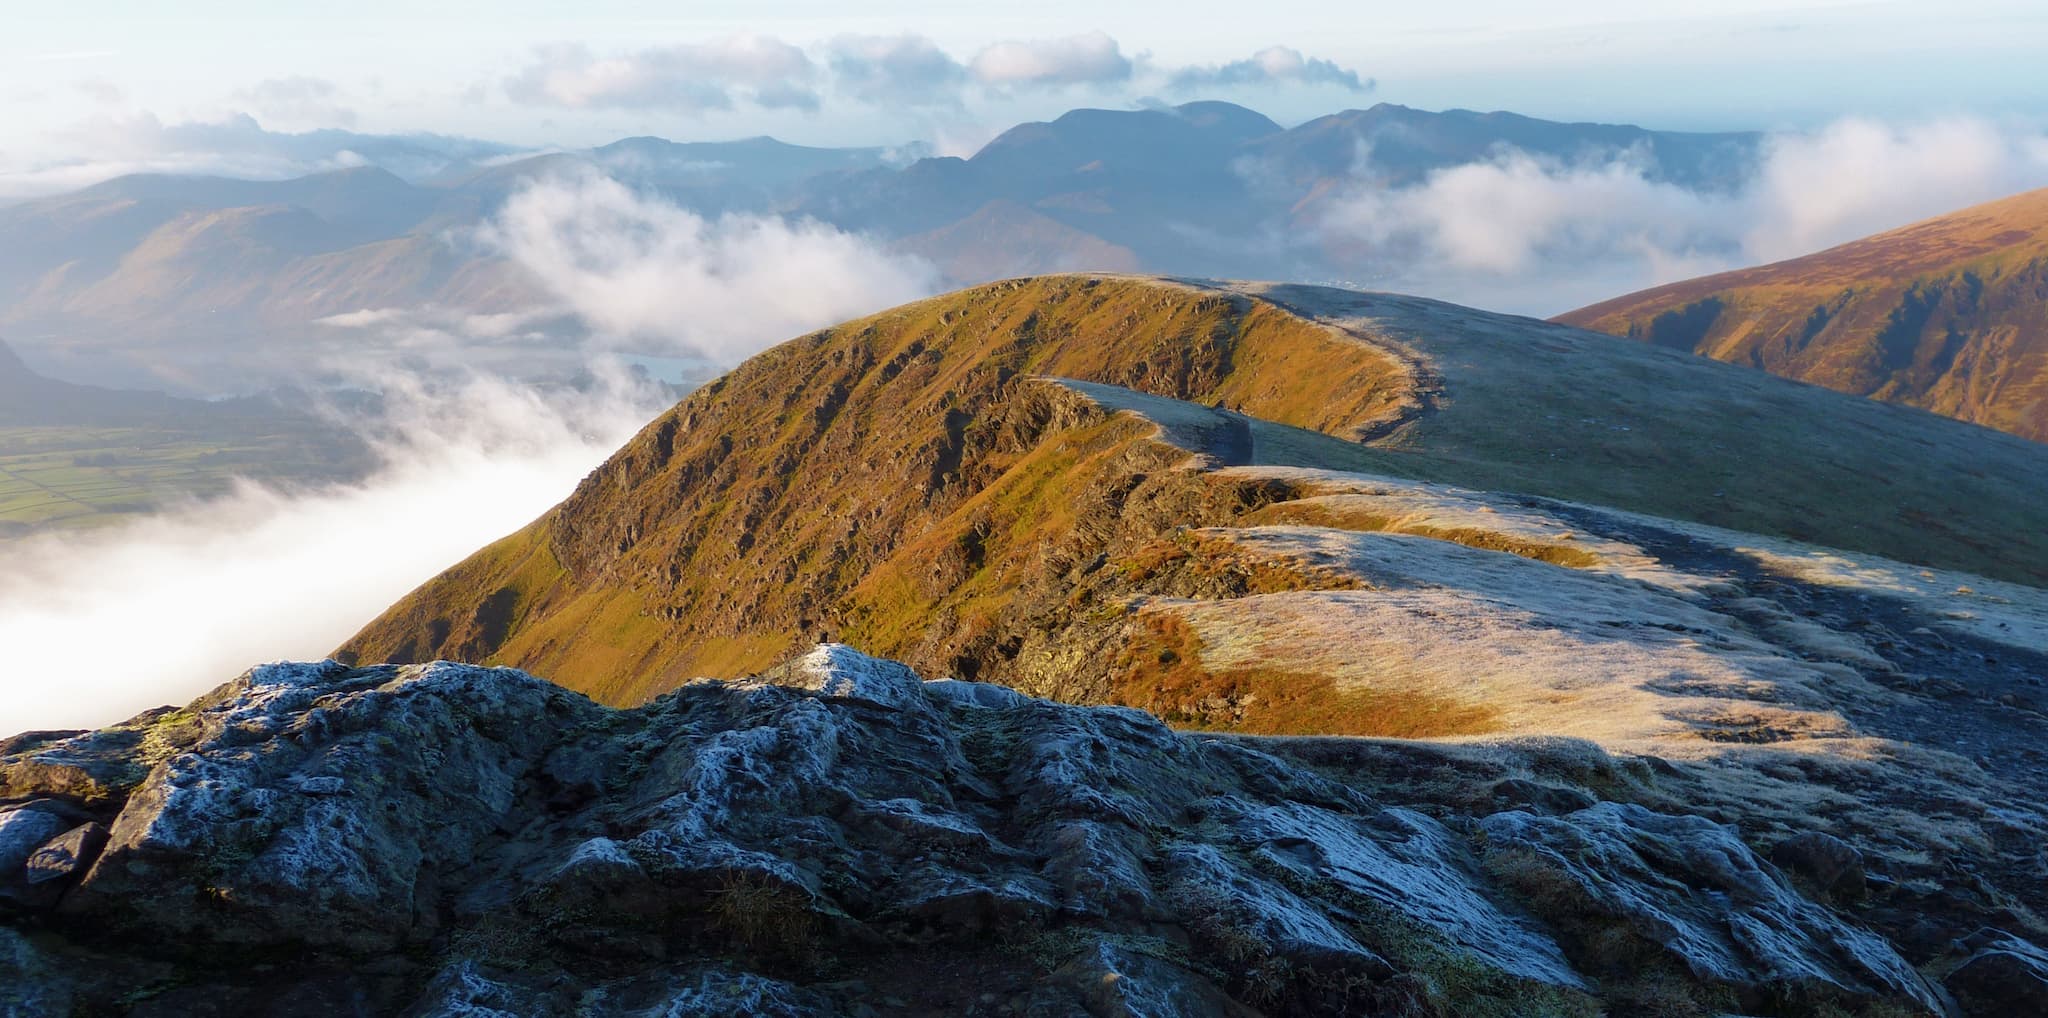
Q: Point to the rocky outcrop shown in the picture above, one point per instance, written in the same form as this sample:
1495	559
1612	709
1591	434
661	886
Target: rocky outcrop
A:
839	837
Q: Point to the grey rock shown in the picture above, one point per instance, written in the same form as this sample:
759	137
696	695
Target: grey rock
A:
30	986
1692	887
2004	976
1834	865
454	840
67	854
1539	797
1116	983
22	831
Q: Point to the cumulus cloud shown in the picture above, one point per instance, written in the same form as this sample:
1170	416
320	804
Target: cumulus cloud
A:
1274	65
1092	58
906	70
1525	234
688	78
639	268
196	595
1507	215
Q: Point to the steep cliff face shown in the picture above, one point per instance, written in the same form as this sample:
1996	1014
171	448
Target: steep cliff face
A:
982	484
451	840
1950	315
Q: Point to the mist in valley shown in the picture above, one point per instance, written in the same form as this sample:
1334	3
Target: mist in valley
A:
479	423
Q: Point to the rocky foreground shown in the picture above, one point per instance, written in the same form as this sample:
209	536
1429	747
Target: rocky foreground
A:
842	837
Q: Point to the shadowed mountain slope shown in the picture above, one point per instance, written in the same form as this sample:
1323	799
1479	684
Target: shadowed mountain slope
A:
1949	314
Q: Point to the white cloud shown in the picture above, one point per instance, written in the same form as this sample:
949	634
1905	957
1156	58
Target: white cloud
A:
1272	66
639	268
688	78
102	91
1508	215
1857	177
906	70
98	626
1518	233
1089	59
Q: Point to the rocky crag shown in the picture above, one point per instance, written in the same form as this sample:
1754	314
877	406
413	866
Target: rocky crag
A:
841	837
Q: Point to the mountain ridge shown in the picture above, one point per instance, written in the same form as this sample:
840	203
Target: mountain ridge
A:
951	490
1946	314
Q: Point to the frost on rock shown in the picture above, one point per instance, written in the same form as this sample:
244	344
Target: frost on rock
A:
22	831
451	840
838	671
1691	886
1408	864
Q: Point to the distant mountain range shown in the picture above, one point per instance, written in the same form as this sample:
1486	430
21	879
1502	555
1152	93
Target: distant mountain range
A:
148	268
1949	314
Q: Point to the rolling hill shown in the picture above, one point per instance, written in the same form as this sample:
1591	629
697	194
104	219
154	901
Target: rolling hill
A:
1949	314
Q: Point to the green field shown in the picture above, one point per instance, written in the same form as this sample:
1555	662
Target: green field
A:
55	477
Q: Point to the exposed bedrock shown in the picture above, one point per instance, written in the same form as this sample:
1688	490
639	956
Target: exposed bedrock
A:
844	837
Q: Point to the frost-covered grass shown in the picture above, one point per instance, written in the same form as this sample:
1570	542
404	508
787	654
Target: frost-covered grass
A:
1549	410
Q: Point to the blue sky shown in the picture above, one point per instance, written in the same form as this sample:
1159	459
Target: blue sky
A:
76	77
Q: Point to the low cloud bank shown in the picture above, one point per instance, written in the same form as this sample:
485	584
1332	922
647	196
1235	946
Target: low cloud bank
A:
640	270
1523	234
97	627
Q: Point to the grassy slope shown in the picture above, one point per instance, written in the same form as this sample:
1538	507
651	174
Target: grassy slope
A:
1949	314
735	526
1555	411
900	481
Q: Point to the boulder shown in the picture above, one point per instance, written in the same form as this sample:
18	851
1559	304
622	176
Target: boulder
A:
22	831
2003	976
1833	865
66	855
